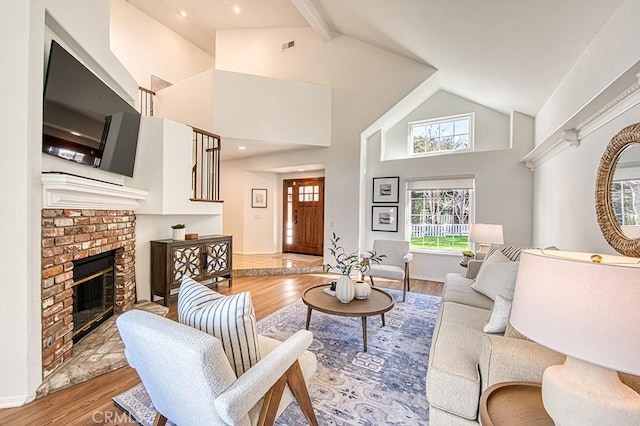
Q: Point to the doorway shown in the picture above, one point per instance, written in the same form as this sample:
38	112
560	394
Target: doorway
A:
303	216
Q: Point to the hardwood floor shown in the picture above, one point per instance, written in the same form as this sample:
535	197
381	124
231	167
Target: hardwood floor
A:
90	403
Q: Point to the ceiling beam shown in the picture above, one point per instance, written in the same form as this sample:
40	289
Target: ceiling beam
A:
309	11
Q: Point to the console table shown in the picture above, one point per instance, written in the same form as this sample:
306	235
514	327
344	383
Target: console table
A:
206	260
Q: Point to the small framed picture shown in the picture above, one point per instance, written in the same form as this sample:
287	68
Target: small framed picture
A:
259	198
385	189
384	218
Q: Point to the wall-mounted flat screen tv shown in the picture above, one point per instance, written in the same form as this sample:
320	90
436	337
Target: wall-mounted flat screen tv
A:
84	120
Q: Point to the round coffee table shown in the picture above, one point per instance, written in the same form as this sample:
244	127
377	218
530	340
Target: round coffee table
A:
377	303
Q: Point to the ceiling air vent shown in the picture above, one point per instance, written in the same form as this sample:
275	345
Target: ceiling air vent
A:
289	45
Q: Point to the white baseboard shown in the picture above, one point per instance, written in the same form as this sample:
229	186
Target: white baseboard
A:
15	401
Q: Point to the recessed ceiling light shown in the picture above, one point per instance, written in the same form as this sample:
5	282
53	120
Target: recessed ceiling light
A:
242	148
236	8
76	134
183	13
301	170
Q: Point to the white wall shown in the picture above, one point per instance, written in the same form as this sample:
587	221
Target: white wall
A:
503	190
365	82
613	51
271	109
21	94
301	63
564	200
260	224
189	101
245	106
146	47
564	195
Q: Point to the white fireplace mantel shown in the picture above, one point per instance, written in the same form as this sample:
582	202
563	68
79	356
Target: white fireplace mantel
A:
62	191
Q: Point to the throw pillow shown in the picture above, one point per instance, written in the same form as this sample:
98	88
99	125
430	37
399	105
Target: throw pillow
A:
496	276
513	253
231	319
499	317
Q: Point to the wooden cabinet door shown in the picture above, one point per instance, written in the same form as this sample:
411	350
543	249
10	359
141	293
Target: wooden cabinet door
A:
303	222
217	257
185	260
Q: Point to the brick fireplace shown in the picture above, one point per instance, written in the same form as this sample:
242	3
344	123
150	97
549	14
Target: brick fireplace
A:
69	235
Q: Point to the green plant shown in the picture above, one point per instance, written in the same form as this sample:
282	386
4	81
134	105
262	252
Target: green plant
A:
467	253
178	226
347	262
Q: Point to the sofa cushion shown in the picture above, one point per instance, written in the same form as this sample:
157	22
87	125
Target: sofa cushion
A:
453	381
497	276
231	319
458	289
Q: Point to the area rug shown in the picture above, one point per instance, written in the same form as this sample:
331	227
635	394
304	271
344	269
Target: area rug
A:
383	386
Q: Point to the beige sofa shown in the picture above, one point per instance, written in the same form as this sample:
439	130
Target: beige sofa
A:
464	361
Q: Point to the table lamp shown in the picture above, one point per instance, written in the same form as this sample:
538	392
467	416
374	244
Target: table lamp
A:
588	308
485	234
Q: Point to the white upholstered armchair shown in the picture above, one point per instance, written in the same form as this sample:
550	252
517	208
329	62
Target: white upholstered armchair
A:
395	264
190	381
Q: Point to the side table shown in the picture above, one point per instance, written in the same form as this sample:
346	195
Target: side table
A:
513	404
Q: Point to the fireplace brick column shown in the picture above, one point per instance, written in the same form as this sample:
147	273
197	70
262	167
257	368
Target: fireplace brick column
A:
68	235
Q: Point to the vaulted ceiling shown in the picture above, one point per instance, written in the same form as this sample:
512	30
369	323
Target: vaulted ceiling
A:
505	54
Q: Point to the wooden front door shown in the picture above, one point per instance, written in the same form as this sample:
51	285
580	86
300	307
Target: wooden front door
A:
303	222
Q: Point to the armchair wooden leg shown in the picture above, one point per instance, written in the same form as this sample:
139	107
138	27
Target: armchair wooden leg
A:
295	379
272	402
371	279
159	420
405	285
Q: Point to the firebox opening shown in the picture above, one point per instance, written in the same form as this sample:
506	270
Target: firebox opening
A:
93	292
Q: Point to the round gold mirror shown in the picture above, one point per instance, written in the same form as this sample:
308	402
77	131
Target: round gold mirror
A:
618	192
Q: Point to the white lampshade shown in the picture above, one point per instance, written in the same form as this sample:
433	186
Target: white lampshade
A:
485	233
587	307
590	311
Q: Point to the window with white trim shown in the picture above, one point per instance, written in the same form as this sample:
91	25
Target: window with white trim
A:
441	211
441	134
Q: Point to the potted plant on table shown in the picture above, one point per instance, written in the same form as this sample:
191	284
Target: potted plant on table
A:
347	263
178	231
467	255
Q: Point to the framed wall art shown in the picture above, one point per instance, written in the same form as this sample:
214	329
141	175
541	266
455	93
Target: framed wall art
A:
385	189
384	218
259	198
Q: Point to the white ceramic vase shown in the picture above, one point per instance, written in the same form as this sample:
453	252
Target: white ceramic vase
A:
344	289
362	289
178	234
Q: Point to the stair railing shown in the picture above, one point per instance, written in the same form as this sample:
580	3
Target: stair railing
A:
146	101
206	166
